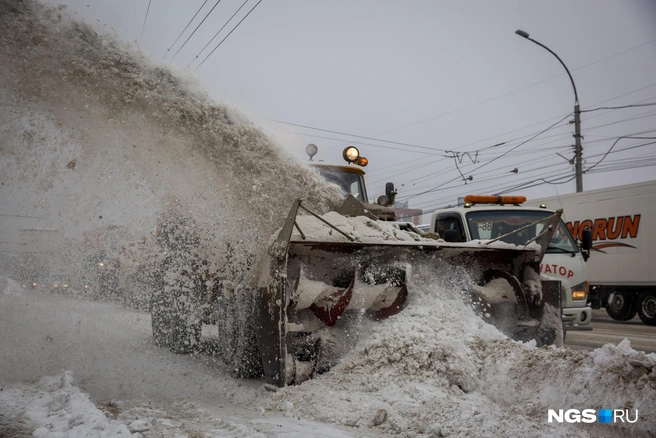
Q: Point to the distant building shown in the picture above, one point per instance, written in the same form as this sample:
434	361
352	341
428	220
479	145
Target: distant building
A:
406	214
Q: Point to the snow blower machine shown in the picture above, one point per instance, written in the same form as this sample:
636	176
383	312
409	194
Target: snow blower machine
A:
321	274
322	279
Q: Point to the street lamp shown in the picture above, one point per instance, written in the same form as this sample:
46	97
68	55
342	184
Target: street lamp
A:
578	149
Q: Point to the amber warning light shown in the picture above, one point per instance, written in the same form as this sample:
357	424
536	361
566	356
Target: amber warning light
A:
488	199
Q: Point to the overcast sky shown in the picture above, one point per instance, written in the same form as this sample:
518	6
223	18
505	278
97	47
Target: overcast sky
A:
424	78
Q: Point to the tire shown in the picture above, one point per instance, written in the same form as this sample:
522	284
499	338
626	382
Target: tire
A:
237	338
647	307
621	306
175	325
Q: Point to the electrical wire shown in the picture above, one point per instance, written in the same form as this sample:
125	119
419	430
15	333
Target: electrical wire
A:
410	196
216	34
618	107
508	153
505	188
199	25
523	143
554	178
514	91
183	30
616	141
230	33
145	18
496	176
350	141
358	136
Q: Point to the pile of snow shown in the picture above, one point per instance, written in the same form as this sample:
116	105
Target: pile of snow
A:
360	228
436	369
55	406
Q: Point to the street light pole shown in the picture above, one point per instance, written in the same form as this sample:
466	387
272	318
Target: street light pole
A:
578	148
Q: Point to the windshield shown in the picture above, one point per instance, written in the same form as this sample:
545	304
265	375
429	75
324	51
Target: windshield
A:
491	224
350	183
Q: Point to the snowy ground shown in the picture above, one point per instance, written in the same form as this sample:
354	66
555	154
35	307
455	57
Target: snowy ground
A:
71	367
89	369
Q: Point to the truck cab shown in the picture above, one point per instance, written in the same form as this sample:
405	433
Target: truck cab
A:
506	219
351	180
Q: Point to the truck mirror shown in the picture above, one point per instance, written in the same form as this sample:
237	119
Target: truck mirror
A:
390	192
586	239
586	243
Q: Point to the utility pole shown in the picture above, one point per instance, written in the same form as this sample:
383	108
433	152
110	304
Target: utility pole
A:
578	148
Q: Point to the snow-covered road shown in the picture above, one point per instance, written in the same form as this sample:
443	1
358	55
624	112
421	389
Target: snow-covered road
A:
108	353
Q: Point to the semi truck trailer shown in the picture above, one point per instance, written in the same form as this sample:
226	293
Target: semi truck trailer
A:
622	264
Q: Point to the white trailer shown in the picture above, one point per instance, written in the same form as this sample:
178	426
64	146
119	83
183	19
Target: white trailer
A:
622	265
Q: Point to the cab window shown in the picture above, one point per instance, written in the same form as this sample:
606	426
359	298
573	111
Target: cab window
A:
491	224
449	221
350	183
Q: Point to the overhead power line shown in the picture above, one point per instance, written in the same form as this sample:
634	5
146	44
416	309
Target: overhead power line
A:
216	34
494	159
199	25
351	141
555	177
522	143
616	141
357	136
558	177
514	91
618	107
145	18
443	172
185	29
230	33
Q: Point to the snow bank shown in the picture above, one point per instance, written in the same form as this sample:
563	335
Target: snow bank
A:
436	369
55	407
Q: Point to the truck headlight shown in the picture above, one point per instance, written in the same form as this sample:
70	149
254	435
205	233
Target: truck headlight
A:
350	154
580	291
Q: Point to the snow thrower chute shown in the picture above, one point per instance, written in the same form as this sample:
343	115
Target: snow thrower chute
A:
321	270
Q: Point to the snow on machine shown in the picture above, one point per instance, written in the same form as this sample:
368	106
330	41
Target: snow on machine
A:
319	277
322	273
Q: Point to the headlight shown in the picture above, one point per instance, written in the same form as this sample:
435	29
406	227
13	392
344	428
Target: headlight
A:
580	291
351	154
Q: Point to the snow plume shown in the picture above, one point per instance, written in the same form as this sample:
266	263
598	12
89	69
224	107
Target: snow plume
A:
436	369
96	141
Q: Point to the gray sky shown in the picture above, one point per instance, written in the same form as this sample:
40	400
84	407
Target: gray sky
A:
440	75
